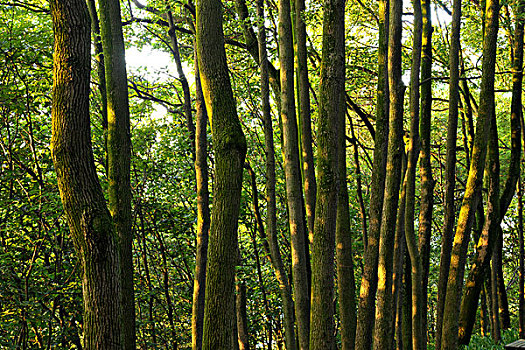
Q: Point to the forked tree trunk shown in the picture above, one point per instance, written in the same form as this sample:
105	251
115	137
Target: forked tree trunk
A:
449	337
383	326
230	149
89	220
486	243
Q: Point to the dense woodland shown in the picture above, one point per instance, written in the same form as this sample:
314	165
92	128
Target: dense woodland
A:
336	174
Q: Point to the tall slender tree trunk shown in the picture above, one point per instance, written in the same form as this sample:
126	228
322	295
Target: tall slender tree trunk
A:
383	325
368	288
183	81
450	168
449	338
331	112
271	206
418	333
89	220
242	318
101	71
203	212
344	253
495	329
230	150
521	287
292	174
486	243
119	155
304	119
425	166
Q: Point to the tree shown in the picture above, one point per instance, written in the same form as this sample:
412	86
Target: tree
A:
383	327
119	155
293	178
89	220
449	337
230	149
367	292
331	111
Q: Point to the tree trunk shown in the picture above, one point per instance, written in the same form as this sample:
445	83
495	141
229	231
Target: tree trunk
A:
230	149
486	244
383	325
203	212
101	72
344	253
496	332
450	169
304	119
367	292
88	218
119	155
418	333
425	167
331	112
183	81
242	318
521	292
271	207
293	178
449	338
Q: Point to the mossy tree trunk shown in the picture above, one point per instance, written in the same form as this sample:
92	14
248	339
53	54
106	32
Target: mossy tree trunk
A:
331	111
292	173
449	338
303	116
119	154
425	168
271	202
383	326
203	212
368	288
89	220
230	150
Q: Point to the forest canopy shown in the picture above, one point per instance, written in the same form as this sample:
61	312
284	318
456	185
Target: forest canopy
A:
225	174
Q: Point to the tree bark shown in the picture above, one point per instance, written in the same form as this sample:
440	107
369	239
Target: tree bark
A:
344	251
449	338
242	318
293	178
425	167
486	243
203	212
450	168
119	155
230	150
271	206
304	119
383	325
331	111
89	220
521	288
418	333
367	292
